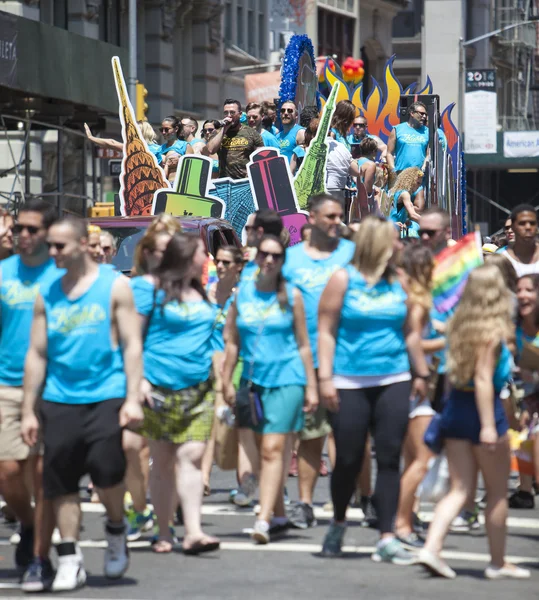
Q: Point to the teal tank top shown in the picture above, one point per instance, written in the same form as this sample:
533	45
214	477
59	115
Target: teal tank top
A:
179	342
411	146
155	149
20	286
267	338
400	215
502	373
287	141
341	138
83	366
220	321
179	146
370	337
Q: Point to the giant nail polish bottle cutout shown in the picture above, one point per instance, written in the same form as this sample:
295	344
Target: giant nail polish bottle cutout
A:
190	193
271	182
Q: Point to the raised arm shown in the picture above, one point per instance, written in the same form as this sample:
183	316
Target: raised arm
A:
304	346
130	339
214	143
108	143
329	311
35	369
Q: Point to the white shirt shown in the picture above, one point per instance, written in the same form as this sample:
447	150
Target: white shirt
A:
522	268
338	165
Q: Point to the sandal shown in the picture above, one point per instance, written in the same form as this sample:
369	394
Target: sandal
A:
162	547
205	544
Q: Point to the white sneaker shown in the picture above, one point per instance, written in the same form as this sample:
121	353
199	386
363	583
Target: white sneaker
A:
70	574
116	554
435	564
508	571
56	537
260	533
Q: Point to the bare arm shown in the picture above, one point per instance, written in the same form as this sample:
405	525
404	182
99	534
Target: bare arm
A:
415	321
369	174
189	149
293	163
434	345
329	311
354	170
214	143
304	346
409	205
484	393
232	349
103	142
35	369
390	153
382	148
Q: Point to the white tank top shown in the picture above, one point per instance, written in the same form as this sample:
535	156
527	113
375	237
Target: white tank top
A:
522	268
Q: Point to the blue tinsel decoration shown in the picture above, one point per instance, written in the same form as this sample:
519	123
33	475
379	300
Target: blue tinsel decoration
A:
289	77
463	195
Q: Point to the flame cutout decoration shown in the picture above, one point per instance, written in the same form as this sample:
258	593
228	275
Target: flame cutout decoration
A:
410	90
141	176
450	130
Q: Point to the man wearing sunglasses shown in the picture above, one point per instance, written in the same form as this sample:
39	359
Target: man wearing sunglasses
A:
86	355
233	143
22	276
360	131
408	142
291	134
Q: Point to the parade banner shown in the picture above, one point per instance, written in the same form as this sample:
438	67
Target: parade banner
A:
8	49
141	177
520	144
480	112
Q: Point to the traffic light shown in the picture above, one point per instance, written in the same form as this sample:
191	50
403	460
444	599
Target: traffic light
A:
142	106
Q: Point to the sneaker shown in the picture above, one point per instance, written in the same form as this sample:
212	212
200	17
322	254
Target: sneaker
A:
246	491
332	546
116	554
435	565
138	523
70	574
522	499
293	469
328	506
393	552
39	576
278	528
261	532
465	522
56	537
232	495
24	553
418	525
301	515
370	518
508	571
412	541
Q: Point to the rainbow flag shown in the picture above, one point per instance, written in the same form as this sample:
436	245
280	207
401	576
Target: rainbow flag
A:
209	272
453	265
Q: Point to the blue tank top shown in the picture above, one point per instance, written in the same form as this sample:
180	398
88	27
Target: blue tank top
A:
249	272
269	139
411	146
340	138
83	367
287	141
310	276
196	141
370	338
179	343
155	149
267	338
400	214
20	286
179	146
220	320
502	373
363	160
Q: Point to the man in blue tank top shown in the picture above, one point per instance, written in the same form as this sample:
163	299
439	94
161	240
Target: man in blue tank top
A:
87	352
291	134
309	266
21	278
408	142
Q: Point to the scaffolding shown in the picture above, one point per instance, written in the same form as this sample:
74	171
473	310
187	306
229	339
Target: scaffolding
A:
514	57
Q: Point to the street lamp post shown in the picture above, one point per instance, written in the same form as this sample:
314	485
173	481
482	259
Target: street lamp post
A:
132	81
462	59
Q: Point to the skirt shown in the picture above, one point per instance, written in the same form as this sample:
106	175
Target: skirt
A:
186	416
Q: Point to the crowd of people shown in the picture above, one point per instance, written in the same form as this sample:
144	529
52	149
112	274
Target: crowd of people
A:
332	343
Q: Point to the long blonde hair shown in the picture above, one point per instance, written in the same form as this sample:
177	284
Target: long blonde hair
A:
407	180
163	223
374	248
418	264
483	315
148	132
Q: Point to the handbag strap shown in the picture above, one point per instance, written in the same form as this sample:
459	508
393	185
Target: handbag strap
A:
150	315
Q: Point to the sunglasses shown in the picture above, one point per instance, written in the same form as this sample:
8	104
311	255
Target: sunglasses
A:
226	263
428	232
290	111
274	255
107	249
422	114
360	124
209	130
18	228
165	129
56	245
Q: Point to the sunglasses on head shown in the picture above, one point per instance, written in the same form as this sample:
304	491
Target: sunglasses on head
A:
18	228
290	111
275	255
428	232
56	245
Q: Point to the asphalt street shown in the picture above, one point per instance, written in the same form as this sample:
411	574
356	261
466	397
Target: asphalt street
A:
289	568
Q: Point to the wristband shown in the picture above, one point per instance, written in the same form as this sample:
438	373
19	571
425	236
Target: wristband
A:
418	376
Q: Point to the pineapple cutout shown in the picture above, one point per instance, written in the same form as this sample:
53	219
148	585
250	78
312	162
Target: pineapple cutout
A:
141	176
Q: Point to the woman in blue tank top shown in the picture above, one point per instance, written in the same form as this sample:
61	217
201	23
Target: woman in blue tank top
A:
343	117
178	324
408	200
364	373
473	420
228	263
267	325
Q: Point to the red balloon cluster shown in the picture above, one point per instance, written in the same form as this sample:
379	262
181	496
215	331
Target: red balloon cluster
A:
352	70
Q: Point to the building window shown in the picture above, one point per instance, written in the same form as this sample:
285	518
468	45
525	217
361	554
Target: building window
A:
109	22
335	35
54	12
228	23
241	29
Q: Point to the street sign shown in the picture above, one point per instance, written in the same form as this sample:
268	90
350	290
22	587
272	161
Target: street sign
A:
115	167
108	153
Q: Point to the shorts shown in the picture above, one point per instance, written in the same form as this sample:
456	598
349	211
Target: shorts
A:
282	409
440	395
12	446
420	408
460	419
81	439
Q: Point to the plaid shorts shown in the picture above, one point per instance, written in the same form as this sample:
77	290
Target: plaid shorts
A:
187	415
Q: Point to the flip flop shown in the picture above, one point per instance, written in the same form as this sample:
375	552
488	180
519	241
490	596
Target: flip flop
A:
200	547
